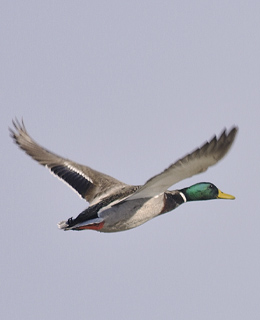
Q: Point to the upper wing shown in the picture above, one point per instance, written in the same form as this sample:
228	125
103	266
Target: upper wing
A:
90	184
196	162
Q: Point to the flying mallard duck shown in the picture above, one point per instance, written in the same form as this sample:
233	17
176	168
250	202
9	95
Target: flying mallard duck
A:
116	206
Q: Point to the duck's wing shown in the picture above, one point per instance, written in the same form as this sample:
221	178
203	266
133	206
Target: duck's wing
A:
196	162
90	184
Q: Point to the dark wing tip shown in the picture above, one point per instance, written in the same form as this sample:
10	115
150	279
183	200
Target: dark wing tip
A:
228	137
221	146
232	133
17	130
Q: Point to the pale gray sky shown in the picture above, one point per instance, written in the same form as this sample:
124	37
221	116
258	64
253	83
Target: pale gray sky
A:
128	87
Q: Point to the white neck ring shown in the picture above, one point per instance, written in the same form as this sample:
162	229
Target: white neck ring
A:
183	196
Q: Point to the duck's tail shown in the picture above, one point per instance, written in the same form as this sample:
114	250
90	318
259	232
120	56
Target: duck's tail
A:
94	224
63	225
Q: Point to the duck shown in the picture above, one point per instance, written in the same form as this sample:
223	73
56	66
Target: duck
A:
116	206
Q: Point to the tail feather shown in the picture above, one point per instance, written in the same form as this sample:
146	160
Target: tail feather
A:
63	225
95	224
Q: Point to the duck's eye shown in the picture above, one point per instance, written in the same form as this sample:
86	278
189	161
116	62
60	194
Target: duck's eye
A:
211	186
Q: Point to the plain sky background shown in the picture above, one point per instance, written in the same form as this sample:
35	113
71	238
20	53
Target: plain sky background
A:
128	87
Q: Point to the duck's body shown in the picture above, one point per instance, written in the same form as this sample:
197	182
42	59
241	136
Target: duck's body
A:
116	206
124	215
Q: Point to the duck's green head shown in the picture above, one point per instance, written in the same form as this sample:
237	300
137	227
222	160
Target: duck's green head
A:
204	191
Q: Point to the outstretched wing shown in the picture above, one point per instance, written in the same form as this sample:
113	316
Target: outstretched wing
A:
196	162
90	184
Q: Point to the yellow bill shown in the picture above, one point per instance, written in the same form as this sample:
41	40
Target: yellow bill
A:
222	195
